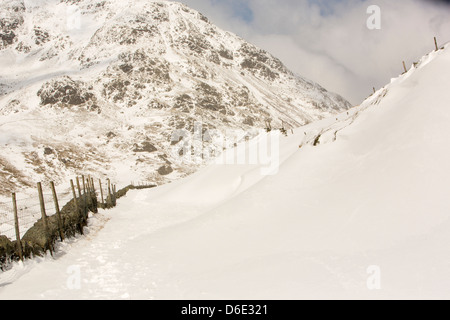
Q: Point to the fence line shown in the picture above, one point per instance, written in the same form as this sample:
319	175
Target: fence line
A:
29	212
29	209
30	226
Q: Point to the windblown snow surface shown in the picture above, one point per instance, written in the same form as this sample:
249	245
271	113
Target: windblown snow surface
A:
368	189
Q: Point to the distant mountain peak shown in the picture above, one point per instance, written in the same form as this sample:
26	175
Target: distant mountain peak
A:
135	71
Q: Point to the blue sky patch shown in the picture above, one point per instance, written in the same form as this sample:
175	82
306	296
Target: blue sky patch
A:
240	8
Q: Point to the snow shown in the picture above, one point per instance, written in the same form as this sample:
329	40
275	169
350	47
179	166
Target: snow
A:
372	195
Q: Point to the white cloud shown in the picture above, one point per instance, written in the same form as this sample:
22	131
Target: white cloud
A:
331	44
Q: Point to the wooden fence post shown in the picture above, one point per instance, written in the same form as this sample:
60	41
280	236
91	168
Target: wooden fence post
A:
79	188
92	195
404	66
109	188
43	213
84	198
93	185
88	187
74	195
91	189
101	191
16	223
109	198
435	44
77	208
84	184
58	212
42	204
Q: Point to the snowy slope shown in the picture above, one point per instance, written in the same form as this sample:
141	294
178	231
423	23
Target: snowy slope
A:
369	188
99	87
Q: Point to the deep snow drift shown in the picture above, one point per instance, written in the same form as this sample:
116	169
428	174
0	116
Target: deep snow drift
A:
372	194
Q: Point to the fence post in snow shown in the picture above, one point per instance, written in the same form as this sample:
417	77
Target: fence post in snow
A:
88	186
77	208
79	188
109	187
16	223
435	44
109	199
93	185
74	195
58	212
101	191
42	204
92	194
404	66
84	197
43	213
84	185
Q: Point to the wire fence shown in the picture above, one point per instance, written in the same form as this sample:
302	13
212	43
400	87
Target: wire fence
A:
29	210
31	226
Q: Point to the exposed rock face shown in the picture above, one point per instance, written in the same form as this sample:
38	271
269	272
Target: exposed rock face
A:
146	146
65	91
165	170
11	19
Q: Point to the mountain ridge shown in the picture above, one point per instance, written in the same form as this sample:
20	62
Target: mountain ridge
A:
132	75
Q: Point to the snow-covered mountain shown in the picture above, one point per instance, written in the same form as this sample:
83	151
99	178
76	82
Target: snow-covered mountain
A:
359	211
100	87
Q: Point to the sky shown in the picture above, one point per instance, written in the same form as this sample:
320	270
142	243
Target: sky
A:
329	41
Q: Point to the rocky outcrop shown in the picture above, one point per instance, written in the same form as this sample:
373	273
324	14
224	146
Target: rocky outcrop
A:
65	92
10	20
165	170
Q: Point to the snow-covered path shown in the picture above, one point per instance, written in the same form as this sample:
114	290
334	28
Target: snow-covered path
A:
333	217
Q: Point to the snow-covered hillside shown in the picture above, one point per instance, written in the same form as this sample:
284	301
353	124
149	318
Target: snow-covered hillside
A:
366	191
100	87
